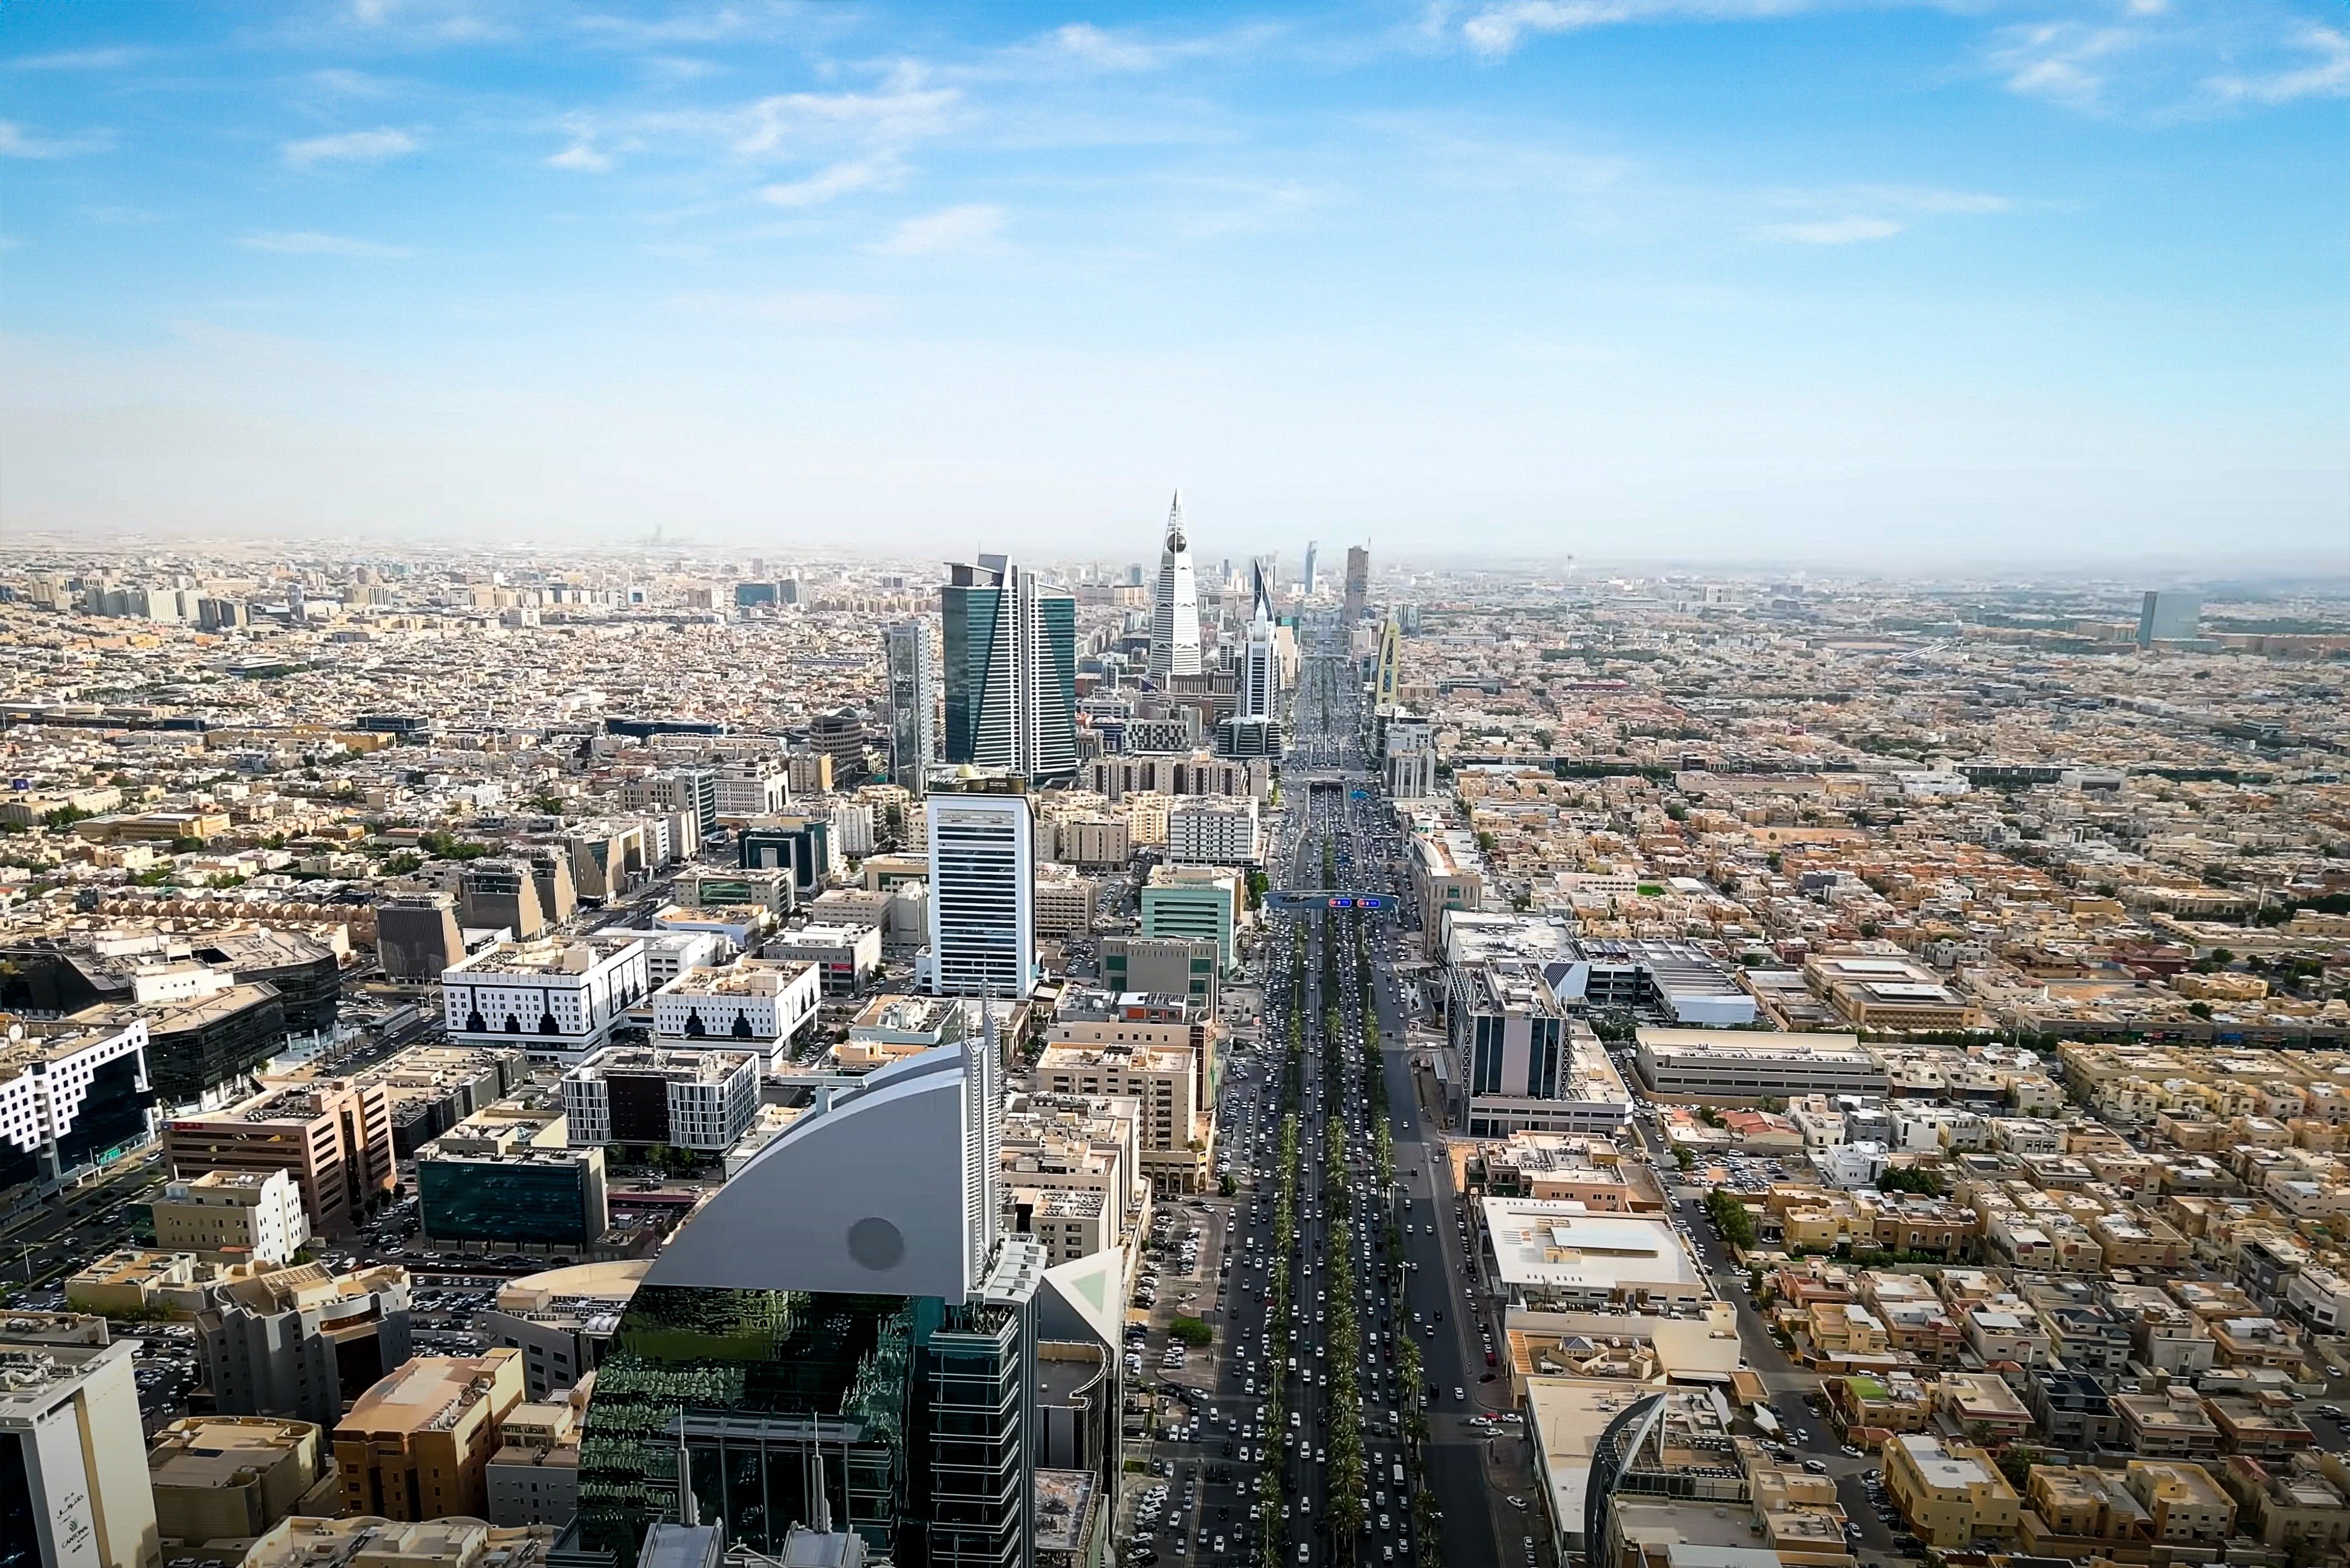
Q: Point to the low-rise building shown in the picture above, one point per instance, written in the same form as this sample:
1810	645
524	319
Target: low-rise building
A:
1950	1494
418	1444
644	1097
297	1344
247	1215
2168	1424
558	997
219	1477
331	1135
844	955
756	1005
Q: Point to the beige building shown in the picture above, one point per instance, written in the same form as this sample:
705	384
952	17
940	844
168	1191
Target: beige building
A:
1063	903
418	1445
1176	1134
221	1477
1069	1224
1951	1495
247	1215
333	1137
2182	1502
534	1478
309	1541
70	1416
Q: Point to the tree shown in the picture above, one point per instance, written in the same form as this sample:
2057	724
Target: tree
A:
1191	1331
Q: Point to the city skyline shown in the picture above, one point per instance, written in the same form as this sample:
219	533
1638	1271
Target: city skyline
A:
1863	285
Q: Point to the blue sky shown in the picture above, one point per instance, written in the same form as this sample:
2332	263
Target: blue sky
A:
1989	280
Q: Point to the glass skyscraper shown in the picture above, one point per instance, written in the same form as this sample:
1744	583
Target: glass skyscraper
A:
912	694
1010	647
844	1339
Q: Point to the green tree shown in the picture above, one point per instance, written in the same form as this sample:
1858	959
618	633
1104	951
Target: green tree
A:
1193	1332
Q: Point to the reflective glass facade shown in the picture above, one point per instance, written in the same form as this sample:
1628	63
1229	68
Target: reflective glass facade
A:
556	1203
900	1417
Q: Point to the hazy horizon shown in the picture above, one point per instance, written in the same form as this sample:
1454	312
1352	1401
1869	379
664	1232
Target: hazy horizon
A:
1848	285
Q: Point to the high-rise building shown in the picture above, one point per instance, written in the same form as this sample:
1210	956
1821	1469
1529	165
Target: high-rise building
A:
840	735
1011	660
1388	676
844	1339
1260	671
1175	603
1359	582
913	683
2168	616
1306	582
982	895
73	1463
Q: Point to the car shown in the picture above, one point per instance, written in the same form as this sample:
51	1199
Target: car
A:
1816	1467
1461	1394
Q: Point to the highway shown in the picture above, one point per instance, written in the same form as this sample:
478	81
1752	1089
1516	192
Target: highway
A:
1255	1454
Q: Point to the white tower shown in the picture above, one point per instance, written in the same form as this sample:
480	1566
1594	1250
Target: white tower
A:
1175	603
983	894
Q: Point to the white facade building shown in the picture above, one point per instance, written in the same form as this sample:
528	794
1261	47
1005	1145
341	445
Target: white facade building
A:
1410	758
255	1214
758	1004
703	1100
982	895
70	1413
1214	830
753	789
556	999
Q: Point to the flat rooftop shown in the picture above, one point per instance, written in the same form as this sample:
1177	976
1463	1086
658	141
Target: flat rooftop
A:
1556	1244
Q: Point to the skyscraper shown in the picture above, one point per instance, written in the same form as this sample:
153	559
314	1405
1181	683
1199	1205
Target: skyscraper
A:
982	895
2168	616
1358	581
845	1338
1175	603
905	649
1011	647
1312	548
1260	673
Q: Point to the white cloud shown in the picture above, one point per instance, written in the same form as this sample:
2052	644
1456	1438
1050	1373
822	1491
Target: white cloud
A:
904	110
1497	29
308	243
77	60
1106	51
970	226
885	171
351	147
352	83
15	143
1832	231
2327	77
583	158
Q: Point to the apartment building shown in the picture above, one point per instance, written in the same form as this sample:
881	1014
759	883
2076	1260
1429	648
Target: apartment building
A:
1952	1494
331	1135
1214	831
297	1344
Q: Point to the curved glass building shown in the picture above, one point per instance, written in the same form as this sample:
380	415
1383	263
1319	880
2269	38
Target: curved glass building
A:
843	1339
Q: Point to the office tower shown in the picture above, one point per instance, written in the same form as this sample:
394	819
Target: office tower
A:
1011	647
416	937
2168	616
1312	548
982	895
1388	674
1260	671
1133	574
1359	582
1175	603
913	682
844	1340
299	1344
73	1462
840	735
